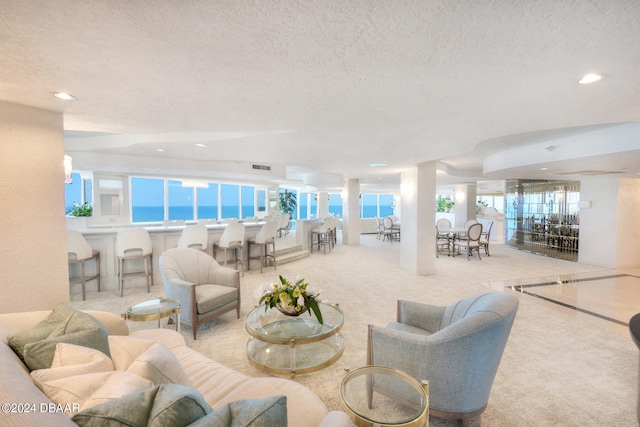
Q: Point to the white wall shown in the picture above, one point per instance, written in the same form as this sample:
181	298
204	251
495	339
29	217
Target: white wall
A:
628	238
609	231
33	250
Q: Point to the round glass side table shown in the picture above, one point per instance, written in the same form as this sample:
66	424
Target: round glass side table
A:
379	395
154	309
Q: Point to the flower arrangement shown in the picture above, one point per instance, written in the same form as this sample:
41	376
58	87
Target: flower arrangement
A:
290	298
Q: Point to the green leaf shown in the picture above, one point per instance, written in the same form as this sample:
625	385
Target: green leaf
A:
313	305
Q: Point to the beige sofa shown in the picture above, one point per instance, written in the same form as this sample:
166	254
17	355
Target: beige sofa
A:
218	384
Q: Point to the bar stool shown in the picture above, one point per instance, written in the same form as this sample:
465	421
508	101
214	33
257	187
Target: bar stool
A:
194	236
232	239
79	251
266	237
131	244
321	236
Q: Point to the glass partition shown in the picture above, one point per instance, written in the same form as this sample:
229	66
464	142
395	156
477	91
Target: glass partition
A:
543	217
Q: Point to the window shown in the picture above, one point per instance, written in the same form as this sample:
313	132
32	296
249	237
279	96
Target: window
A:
335	204
180	201
73	192
147	199
303	204
369	206
385	204
230	201
313	206
248	194
208	202
262	201
375	205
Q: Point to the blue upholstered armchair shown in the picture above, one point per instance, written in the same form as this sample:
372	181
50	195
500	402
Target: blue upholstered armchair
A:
456	348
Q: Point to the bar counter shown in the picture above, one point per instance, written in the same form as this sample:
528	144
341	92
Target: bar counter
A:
103	239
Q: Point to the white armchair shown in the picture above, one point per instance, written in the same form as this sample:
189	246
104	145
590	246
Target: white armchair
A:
204	288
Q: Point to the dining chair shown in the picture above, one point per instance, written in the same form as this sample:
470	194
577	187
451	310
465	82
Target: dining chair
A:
389	232
485	237
472	242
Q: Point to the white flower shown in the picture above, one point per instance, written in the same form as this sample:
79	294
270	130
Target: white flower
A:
301	301
313	291
263	290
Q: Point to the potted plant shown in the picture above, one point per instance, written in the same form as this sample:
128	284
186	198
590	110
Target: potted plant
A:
287	202
448	204
81	209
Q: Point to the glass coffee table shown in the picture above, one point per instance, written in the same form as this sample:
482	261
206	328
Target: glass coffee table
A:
291	345
383	396
154	309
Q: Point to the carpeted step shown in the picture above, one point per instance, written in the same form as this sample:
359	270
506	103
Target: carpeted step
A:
291	256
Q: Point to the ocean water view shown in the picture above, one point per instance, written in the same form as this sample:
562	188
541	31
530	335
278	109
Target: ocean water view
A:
187	213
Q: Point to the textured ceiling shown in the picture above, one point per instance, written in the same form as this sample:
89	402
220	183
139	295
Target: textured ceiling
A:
328	86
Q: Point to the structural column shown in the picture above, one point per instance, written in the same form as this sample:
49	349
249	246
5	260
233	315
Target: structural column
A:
465	207
32	144
323	204
418	203
351	212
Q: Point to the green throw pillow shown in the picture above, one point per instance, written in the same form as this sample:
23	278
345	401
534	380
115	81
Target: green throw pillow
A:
36	346
267	412
163	405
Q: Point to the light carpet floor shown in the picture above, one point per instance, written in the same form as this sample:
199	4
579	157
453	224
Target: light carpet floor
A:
561	367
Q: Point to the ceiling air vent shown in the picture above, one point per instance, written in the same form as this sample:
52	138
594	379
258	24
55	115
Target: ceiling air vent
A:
261	167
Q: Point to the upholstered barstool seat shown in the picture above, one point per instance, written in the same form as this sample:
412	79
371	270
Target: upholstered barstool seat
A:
322	236
232	240
265	238
79	252
194	236
132	244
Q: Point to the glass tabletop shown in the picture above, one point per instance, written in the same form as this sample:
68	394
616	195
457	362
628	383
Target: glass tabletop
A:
384	396
275	327
153	307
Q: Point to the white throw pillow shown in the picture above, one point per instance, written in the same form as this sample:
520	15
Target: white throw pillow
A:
70	360
83	391
147	358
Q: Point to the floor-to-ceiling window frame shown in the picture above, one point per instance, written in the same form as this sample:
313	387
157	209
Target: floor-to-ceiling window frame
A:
157	199
376	205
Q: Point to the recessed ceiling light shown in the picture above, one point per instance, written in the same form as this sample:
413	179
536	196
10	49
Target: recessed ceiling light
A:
161	150
64	96
544	169
200	145
590	78
378	165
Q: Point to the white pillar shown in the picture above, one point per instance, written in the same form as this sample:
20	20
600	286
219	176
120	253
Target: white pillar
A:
351	212
465	207
33	246
323	204
418	201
